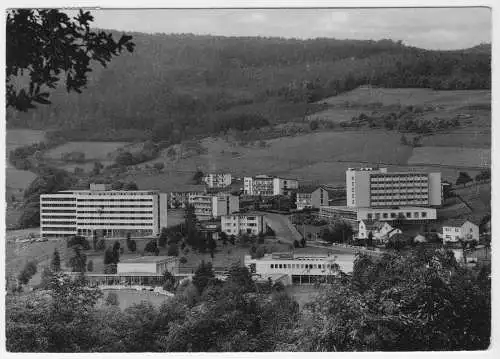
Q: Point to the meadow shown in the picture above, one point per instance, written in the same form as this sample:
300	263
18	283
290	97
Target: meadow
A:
96	151
452	156
410	96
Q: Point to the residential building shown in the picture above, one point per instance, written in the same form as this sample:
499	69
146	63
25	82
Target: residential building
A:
218	180
267	186
180	199
311	197
240	223
260	185
284	186
381	231
208	206
456	229
300	268
114	213
375	187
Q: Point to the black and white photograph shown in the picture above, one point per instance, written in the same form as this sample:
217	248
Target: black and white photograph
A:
259	179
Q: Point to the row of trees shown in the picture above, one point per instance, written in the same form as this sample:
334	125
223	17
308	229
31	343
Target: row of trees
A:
419	301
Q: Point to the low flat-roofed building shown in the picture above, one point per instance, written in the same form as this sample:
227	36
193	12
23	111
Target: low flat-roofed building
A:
149	264
354	215
300	266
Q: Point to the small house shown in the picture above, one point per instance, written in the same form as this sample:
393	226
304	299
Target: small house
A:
456	229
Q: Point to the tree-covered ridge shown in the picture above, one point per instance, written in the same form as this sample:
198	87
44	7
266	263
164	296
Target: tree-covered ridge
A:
193	81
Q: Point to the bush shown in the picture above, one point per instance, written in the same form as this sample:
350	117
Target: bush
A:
112	299
183	260
101	244
173	250
78	240
28	272
151	247
296	244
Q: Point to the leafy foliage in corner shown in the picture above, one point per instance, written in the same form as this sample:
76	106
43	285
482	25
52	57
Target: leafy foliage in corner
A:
44	44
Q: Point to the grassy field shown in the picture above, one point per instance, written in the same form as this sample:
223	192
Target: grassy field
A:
411	96
21	137
452	156
93	150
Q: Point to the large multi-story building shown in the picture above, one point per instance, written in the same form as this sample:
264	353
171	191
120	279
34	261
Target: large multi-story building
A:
371	187
113	213
218	180
240	223
311	197
208	206
268	186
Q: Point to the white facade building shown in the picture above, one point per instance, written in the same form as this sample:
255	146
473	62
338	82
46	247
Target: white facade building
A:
381	231
208	206
115	213
283	186
354	215
149	265
240	223
218	180
314	197
298	265
268	186
453	230
369	187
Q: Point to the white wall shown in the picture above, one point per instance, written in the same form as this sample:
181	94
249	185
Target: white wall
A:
136	267
435	189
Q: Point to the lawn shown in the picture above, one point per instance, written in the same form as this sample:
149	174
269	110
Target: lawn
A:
21	137
412	96
451	156
93	150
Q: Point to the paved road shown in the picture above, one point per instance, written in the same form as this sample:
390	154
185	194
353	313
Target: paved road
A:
282	226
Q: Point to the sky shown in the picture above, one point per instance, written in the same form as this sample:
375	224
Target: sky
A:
430	28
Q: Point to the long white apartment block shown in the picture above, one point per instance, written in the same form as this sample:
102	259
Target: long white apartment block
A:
113	213
267	186
372	187
218	180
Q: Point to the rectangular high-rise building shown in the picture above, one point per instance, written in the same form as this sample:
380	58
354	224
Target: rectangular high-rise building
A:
369	187
113	213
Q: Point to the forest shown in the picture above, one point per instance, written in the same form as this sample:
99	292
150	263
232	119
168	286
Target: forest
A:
174	87
420	301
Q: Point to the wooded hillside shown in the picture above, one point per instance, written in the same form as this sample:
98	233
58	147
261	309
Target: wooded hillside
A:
176	86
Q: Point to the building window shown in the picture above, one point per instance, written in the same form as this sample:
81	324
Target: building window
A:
456	229
370	216
272	266
424	214
415	214
408	214
393	215
385	215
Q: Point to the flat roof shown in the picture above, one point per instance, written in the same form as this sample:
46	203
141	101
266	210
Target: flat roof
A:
149	259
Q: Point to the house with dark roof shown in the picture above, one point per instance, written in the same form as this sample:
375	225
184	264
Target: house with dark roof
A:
456	229
311	197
